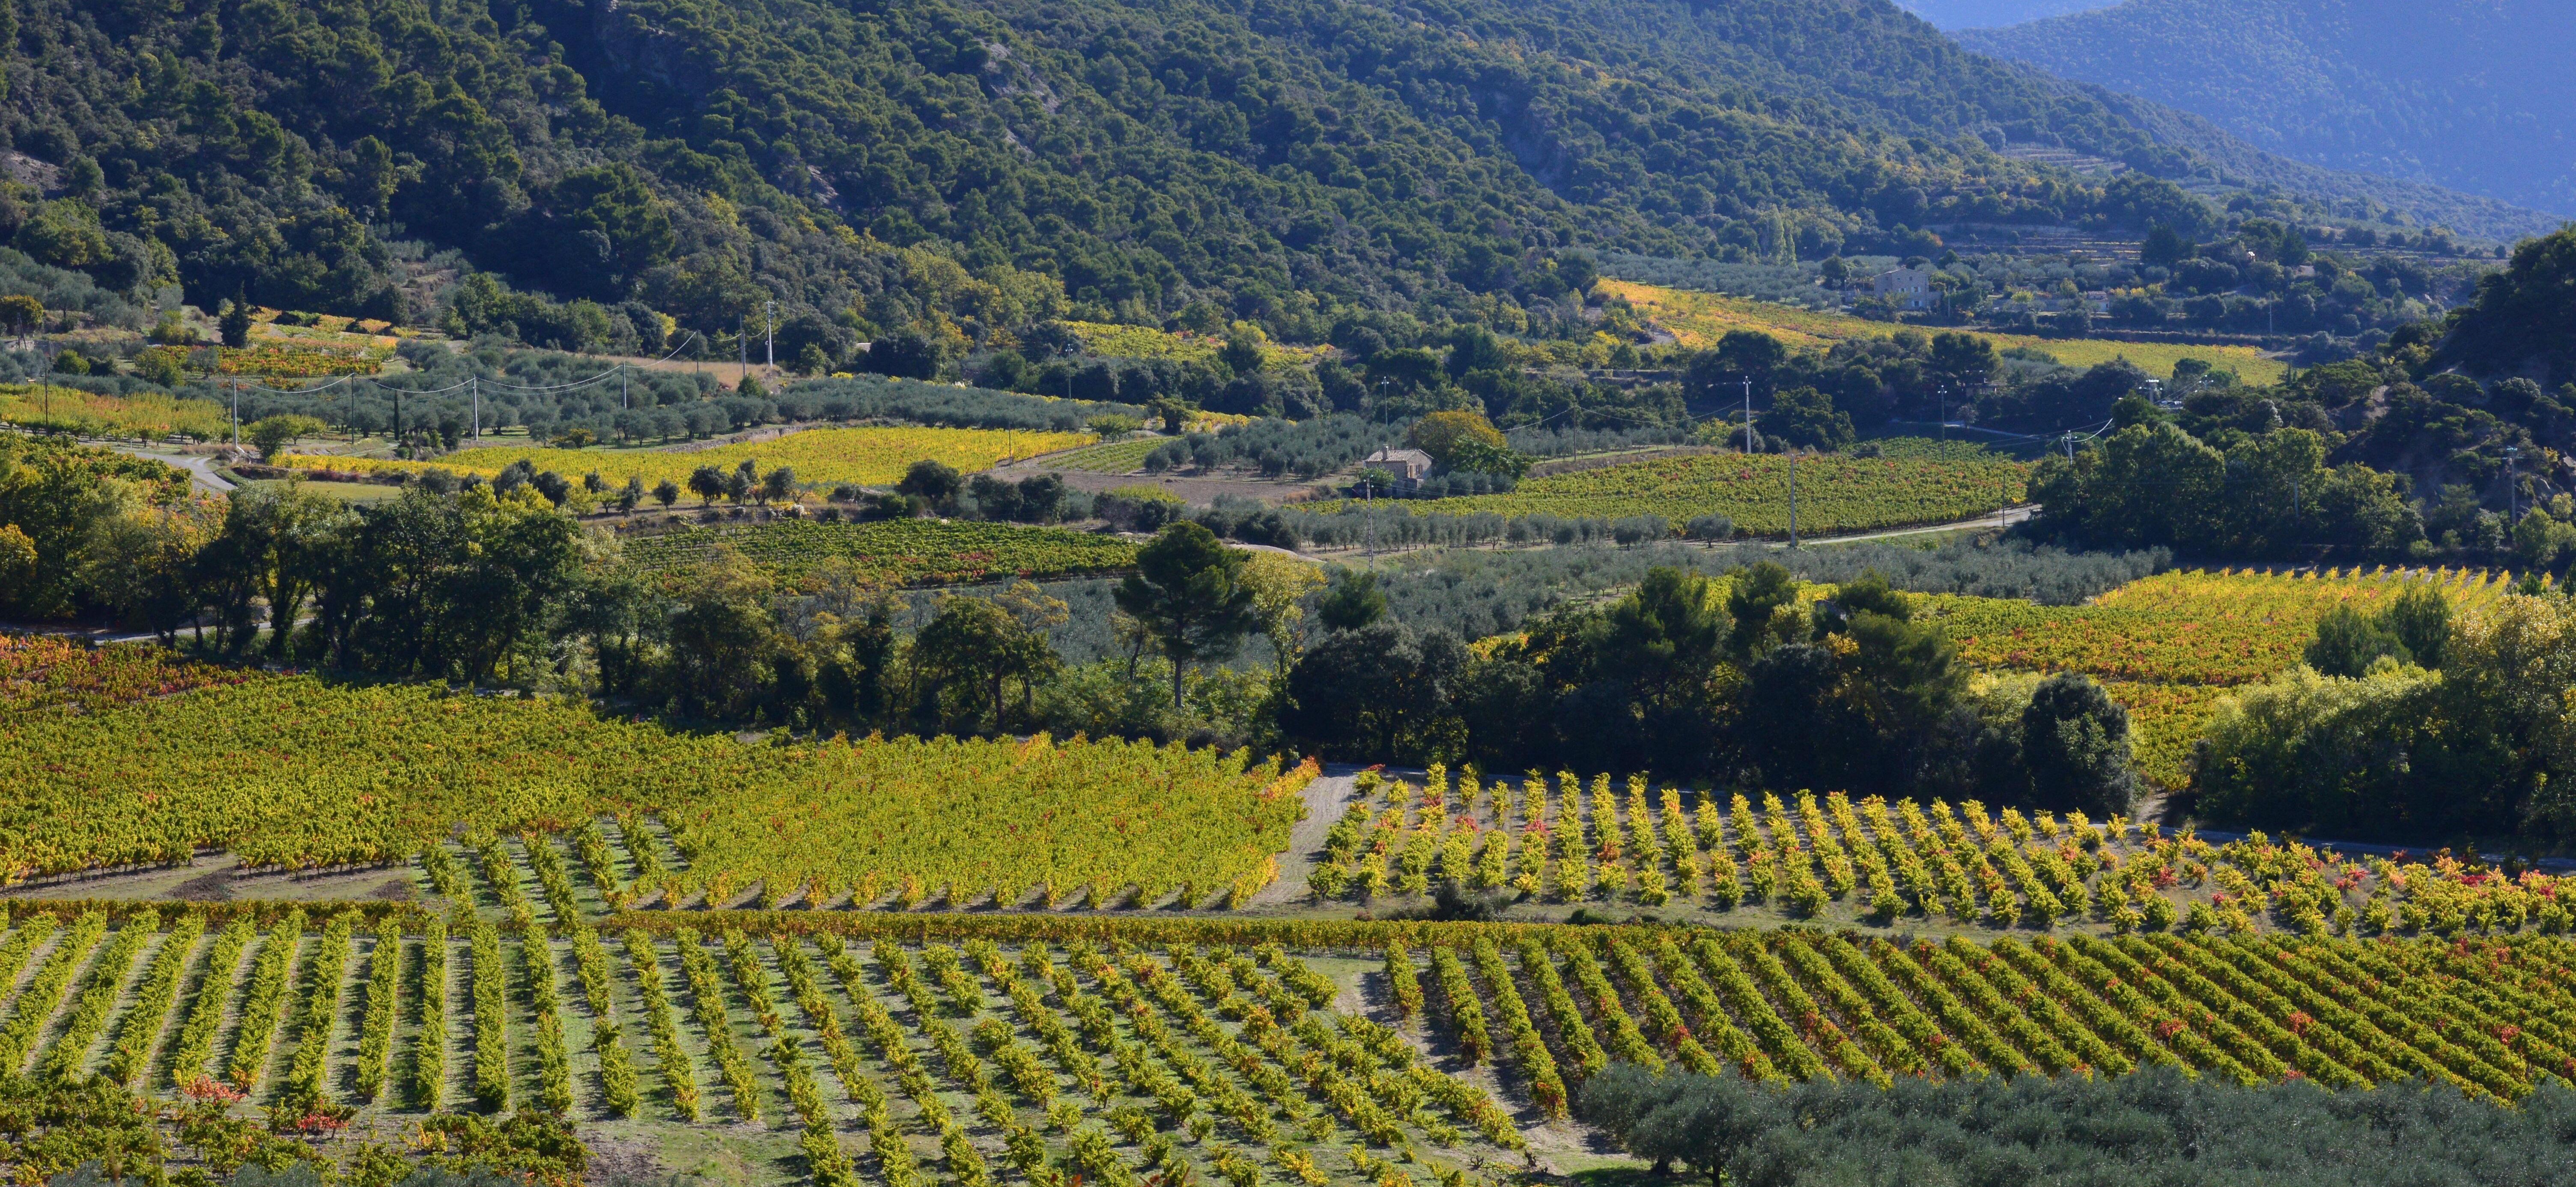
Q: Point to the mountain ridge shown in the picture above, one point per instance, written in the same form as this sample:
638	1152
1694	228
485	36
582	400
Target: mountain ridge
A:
972	167
2466	94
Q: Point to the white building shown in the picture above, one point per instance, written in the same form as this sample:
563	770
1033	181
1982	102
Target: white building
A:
1906	288
1409	466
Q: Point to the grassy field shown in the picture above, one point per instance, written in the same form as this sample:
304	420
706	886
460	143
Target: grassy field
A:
1699	319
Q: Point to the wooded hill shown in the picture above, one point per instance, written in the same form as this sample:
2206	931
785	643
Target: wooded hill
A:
2469	94
966	165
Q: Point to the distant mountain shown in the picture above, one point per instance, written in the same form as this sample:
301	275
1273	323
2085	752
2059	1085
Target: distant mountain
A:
1984	14
2474	95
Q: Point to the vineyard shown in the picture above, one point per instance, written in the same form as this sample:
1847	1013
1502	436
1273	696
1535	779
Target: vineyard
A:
866	456
1836	493
1740	858
1110	457
971	1048
1698	320
1148	342
89	414
894	552
2170	646
294	772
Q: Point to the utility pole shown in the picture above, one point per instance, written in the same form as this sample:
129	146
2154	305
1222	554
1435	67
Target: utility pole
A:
1748	414
2070	445
621	387
236	386
1945	412
474	383
769	327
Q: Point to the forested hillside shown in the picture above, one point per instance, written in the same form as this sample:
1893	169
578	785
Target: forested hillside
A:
960	166
2470	94
1986	14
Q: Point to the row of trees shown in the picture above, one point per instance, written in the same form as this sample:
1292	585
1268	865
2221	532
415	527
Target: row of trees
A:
1854	692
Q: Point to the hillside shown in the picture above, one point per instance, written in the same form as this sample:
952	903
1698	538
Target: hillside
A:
1986	14
973	167
2469	94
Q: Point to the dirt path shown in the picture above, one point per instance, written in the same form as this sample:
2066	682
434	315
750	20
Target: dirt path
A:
1326	799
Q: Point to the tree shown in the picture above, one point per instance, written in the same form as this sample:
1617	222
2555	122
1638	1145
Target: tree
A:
1963	361
778	485
1752	354
1666	640
1279	587
1756	596
1380	692
269	434
1189	594
1353	601
722	639
2075	742
666	492
2164	247
1443	434
976	645
1173	414
905	353
934	482
1804	418
706	482
1242	352
2421	619
235	323
20	314
2348	642
1704	1121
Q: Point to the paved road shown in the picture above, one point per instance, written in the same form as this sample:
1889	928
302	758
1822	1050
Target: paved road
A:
201	470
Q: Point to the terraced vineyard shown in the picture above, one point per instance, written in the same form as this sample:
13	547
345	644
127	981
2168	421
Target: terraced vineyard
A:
1916	483
894	552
